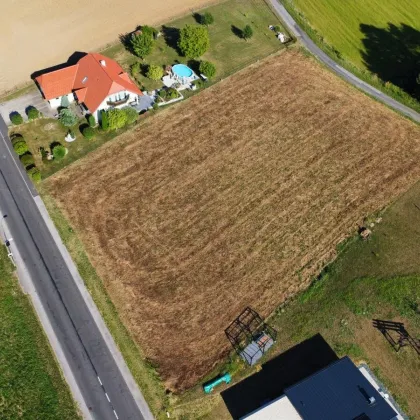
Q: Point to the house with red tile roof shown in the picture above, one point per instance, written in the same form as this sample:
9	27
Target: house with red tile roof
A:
96	82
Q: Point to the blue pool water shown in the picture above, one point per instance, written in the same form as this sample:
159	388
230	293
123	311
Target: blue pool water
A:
182	70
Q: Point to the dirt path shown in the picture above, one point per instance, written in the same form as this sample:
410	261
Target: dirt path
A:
43	33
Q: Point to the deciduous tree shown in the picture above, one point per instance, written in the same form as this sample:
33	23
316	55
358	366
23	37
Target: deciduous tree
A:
247	33
154	72
194	41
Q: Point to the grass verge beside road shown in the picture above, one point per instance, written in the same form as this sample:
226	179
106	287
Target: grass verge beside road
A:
31	384
142	371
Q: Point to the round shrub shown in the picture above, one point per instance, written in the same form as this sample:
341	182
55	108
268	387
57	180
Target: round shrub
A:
88	132
206	18
16	118
208	69
15	137
27	159
131	115
34	174
20	147
33	113
59	152
154	72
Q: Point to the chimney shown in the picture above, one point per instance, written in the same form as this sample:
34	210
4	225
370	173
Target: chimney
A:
103	63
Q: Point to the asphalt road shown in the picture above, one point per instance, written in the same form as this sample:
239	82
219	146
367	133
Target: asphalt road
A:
83	345
297	31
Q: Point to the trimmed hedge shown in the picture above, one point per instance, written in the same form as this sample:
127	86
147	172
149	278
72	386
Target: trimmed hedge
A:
88	132
16	118
104	120
27	159
20	147
33	113
34	174
91	120
131	114
16	137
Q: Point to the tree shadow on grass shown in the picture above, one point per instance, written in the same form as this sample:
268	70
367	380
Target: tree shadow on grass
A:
237	31
393	54
194	65
125	40
198	18
82	127
171	36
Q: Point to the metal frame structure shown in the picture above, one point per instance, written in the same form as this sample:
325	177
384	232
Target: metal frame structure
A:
247	328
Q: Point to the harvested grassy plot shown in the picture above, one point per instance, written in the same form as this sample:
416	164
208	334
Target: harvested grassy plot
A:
369	280
227	50
235	197
31	385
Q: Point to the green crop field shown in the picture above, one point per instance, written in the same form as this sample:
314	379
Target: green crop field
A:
369	37
339	21
31	385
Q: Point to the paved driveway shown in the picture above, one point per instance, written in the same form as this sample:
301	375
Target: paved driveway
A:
22	102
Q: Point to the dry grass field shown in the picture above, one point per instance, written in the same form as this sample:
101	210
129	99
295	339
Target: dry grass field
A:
235	197
45	33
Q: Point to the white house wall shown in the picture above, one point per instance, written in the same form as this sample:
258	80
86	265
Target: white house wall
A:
105	106
56	102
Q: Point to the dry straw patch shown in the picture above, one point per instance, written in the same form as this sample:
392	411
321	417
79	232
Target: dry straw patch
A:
233	198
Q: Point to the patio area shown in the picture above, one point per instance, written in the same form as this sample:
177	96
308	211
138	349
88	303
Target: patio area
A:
21	103
144	103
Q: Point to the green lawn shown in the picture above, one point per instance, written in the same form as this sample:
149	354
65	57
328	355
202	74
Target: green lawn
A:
227	51
376	39
45	131
31	384
339	21
377	278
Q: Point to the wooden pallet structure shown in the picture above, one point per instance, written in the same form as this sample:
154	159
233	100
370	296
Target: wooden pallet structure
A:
390	329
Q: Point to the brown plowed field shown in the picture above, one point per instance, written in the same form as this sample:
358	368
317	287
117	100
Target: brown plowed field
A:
233	198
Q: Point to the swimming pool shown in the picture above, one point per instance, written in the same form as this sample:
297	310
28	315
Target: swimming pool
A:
182	70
